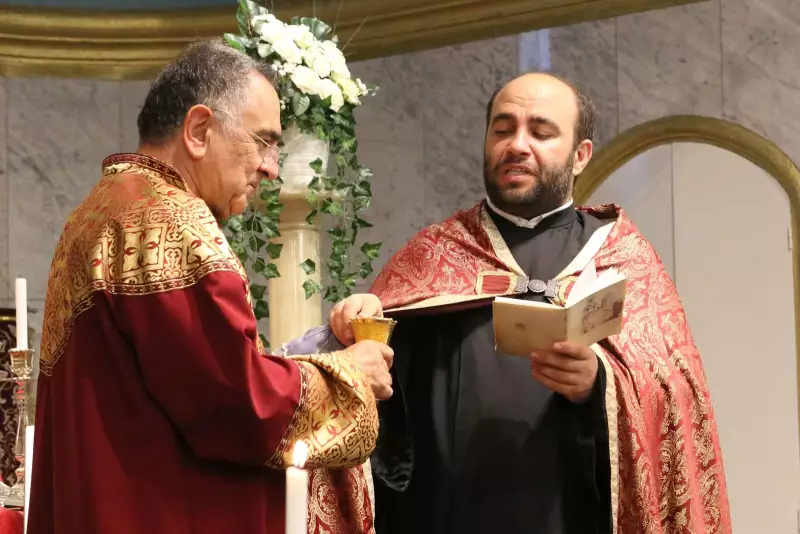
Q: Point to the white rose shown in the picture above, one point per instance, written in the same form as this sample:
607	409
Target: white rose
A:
288	50
264	49
349	89
317	61
272	31
330	89
306	80
302	36
335	58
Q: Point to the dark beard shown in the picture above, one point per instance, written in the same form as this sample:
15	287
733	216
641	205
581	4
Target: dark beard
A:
552	190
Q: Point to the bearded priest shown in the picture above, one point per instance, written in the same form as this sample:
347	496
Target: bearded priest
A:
618	437
156	409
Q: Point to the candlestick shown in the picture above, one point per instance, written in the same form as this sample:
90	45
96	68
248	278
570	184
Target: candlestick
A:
21	299
297	491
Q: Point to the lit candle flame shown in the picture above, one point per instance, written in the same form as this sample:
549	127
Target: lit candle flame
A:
300	454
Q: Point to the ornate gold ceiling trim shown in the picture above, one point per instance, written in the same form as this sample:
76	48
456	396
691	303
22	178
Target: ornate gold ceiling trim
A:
720	133
136	44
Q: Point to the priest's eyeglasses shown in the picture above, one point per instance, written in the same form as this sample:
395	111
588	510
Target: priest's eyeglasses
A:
265	148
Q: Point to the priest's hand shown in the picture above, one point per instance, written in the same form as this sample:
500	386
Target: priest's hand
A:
375	360
360	305
569	369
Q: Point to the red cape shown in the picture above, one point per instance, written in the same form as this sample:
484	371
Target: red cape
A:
666	464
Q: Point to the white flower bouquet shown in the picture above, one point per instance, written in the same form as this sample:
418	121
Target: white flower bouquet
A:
318	95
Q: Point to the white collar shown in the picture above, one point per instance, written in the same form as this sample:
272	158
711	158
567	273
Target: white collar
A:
526	223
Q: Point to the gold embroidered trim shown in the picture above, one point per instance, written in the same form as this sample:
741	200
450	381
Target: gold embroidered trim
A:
498	243
442	300
337	416
277	458
612	410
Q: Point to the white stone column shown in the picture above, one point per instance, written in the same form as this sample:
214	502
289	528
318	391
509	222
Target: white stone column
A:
290	313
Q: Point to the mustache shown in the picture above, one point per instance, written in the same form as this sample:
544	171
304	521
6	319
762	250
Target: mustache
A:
520	162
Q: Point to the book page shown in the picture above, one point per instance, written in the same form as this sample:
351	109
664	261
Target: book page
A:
583	285
598	315
520	327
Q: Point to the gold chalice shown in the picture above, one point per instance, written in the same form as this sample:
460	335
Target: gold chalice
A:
373	328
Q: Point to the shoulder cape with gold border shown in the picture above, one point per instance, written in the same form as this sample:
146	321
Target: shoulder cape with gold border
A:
666	463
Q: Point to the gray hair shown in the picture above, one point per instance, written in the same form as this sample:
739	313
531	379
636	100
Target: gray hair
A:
208	72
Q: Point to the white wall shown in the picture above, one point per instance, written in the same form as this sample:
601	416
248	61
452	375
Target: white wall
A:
722	222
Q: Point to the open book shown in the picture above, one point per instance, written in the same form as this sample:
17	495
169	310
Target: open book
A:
592	312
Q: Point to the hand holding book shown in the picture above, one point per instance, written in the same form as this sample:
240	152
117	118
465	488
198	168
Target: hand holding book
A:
569	369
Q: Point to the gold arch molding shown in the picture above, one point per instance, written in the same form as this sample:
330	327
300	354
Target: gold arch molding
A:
722	134
117	45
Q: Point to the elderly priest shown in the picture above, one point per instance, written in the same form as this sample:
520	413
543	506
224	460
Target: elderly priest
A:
156	410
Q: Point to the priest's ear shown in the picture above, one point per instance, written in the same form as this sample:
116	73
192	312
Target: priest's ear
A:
196	131
583	153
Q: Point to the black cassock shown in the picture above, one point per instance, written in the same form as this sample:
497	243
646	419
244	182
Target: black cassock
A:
470	442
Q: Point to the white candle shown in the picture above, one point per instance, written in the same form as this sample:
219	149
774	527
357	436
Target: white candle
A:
297	491
28	470
21	298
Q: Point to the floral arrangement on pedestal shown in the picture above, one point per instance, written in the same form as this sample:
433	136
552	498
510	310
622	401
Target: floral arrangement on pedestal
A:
318	95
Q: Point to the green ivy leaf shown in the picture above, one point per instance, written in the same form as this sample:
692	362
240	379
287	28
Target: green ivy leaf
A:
261	310
274	250
335	266
363	174
350	145
257	290
332	294
271	231
339	247
358	222
365	269
315	184
234	224
274	210
312	217
271	271
371	250
254	8
317	27
309	267
311	288
332	207
311	197
238	248
316	165
337	232
361	203
265	341
259	265
243	22
256	243
362	190
237	41
300	103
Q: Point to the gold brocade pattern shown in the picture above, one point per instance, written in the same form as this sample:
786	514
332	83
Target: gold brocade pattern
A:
342	501
337	415
138	232
670	469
